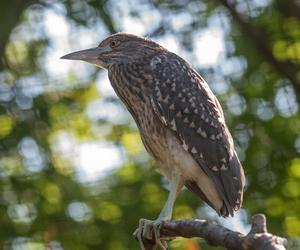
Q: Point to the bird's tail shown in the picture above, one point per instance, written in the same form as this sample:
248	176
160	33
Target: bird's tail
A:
233	183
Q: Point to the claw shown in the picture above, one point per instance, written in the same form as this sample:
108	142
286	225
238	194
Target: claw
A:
156	230
150	230
138	234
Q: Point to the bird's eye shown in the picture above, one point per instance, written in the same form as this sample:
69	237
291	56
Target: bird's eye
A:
113	44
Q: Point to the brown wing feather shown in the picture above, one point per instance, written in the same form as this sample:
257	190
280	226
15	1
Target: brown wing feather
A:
185	104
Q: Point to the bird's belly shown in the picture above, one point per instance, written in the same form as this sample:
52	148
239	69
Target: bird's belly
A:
153	135
189	169
163	145
171	156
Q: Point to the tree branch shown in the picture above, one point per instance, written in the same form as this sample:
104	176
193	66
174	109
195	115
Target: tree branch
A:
258	238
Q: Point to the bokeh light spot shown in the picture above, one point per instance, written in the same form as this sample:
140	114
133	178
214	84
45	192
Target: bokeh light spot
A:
294	168
291	188
109	212
6	126
292	225
79	211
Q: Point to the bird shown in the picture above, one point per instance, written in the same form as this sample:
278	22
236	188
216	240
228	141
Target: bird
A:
180	121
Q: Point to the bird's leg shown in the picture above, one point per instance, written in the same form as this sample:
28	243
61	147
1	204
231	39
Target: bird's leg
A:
151	229
166	212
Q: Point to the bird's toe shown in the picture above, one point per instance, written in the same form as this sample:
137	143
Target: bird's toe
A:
150	231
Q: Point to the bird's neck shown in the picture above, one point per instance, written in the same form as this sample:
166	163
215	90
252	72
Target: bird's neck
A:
131	81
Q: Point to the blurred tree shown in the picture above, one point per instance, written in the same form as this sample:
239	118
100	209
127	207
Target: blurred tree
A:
44	115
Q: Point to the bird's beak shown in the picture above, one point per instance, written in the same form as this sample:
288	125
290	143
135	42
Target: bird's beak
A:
92	55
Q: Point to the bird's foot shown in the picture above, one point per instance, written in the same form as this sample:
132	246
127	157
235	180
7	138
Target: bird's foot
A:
150	230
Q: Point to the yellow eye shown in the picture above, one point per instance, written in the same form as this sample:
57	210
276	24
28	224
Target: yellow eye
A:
113	43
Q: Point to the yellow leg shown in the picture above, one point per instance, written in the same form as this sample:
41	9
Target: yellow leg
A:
166	212
147	228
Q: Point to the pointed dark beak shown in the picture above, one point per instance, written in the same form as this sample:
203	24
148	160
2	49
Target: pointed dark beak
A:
92	55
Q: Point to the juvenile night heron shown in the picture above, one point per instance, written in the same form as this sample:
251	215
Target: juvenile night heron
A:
180	120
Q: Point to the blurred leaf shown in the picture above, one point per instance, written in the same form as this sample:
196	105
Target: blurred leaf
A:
7	124
45	199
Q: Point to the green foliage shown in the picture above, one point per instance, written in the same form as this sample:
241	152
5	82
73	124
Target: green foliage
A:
43	116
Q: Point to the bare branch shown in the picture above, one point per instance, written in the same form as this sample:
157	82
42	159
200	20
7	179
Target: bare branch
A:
258	238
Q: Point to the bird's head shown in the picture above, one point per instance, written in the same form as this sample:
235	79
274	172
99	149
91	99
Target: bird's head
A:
117	48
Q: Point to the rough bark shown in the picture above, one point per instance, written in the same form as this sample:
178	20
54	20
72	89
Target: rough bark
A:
257	239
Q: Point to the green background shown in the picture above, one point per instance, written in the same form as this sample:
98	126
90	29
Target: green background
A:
45	204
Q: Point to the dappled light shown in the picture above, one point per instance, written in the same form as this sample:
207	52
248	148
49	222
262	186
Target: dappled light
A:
74	173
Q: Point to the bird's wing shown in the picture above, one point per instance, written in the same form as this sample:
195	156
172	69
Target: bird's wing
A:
185	104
